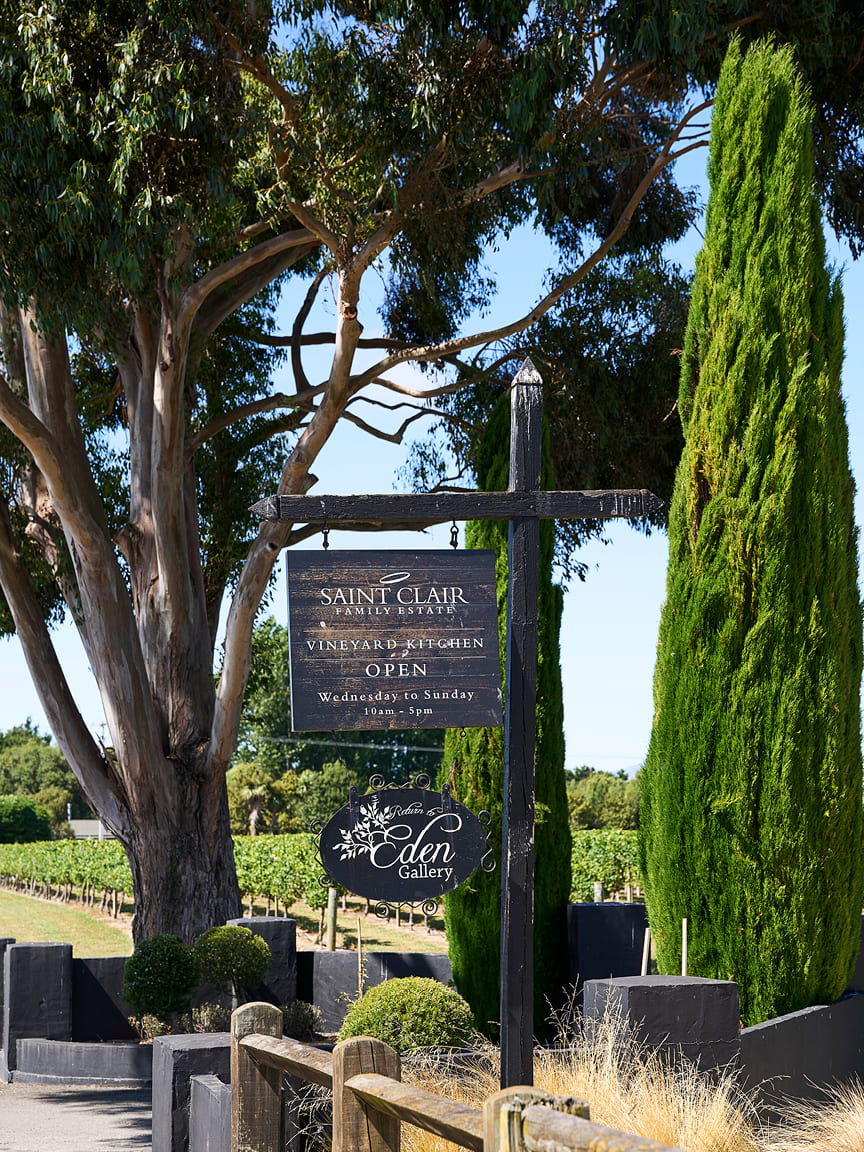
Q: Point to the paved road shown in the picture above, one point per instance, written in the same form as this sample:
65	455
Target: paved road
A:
37	1118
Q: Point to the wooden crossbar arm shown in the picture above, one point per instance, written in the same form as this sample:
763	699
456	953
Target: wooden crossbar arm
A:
545	1130
310	1064
439	507
460	1123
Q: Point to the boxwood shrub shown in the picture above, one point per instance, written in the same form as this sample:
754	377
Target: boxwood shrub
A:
412	1012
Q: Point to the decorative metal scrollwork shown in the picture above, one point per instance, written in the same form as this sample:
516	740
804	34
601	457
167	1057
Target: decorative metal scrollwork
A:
384	911
377	782
488	863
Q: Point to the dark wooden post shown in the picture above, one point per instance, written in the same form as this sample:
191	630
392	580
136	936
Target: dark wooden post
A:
520	723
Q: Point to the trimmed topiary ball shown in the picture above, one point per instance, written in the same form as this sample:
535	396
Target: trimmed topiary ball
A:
232	955
160	977
414	1012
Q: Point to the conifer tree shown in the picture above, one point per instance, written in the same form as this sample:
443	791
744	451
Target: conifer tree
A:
751	794
474	766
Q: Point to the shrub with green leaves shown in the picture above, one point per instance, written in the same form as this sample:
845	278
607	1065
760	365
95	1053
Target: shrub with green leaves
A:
233	956
160	977
23	821
414	1012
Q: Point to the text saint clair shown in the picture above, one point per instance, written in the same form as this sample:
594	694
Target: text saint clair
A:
403	595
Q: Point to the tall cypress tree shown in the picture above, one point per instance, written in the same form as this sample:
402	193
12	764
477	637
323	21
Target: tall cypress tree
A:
474	765
751	794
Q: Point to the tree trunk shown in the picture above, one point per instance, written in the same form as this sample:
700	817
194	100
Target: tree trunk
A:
183	864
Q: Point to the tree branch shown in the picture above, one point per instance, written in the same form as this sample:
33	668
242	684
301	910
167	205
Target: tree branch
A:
219	305
244	411
315	338
101	784
392	437
301	382
450	347
197	293
50	461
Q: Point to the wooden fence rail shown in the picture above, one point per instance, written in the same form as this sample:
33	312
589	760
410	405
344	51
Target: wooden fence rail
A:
370	1102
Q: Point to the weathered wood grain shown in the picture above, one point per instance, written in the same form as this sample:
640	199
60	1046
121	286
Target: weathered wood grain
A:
460	1123
310	1064
256	1092
502	1116
520	724
358	1127
393	639
439	507
546	1130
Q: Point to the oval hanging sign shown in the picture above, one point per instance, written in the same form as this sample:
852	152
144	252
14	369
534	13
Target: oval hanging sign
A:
402	845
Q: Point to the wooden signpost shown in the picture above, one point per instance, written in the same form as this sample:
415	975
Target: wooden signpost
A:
524	506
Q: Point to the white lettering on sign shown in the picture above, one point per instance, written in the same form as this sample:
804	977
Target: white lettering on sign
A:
374	670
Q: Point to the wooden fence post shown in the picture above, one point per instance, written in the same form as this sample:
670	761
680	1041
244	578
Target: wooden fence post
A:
256	1091
356	1127
502	1115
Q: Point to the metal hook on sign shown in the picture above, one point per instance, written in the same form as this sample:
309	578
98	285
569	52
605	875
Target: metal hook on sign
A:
446	798
353	804
454	536
325	532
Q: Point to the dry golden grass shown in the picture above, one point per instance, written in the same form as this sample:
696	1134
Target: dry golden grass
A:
628	1090
835	1125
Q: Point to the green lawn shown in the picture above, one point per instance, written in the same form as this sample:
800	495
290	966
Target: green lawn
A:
29	920
32	920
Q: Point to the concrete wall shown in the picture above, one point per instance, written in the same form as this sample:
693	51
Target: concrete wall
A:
678	1015
330	980
98	1009
37	997
209	1115
279	985
117	1065
795	1055
176	1060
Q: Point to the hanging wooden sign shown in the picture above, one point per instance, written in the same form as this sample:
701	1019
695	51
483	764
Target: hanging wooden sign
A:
393	640
402	845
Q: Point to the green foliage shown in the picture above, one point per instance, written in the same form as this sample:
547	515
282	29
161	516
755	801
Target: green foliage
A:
601	800
413	1012
22	820
300	1020
474	767
267	742
31	766
234	956
282	867
323	792
160	977
606	854
751	792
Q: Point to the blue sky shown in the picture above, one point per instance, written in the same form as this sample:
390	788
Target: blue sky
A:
609	630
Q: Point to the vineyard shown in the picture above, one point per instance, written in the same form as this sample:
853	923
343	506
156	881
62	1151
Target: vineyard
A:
278	869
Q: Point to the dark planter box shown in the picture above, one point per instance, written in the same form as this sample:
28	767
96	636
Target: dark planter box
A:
118	1064
329	980
604	940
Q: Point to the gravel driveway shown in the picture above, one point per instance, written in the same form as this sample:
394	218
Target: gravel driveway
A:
39	1118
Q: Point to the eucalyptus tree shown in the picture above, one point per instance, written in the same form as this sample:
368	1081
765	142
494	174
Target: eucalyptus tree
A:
160	167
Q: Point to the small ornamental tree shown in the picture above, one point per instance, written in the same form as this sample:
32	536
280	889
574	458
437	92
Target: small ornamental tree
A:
474	767
232	955
751	793
160	977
